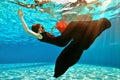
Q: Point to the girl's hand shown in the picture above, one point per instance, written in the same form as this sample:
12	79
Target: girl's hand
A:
20	13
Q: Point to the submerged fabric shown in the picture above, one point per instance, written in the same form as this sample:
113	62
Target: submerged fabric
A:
61	25
82	34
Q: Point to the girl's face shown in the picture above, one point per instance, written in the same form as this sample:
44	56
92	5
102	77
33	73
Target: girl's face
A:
41	29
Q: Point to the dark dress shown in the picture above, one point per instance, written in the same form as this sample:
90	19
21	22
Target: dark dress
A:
80	35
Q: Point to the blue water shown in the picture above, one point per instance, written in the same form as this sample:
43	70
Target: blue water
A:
18	47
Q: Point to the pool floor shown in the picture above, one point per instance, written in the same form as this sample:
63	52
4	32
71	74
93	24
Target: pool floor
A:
45	71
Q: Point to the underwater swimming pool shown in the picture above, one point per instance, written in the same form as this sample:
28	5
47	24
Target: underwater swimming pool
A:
20	53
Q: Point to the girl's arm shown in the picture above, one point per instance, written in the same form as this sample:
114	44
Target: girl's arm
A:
38	35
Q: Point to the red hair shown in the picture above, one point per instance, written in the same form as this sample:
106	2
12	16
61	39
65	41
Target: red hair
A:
35	27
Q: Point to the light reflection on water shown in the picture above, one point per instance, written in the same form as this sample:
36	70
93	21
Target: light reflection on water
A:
11	27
